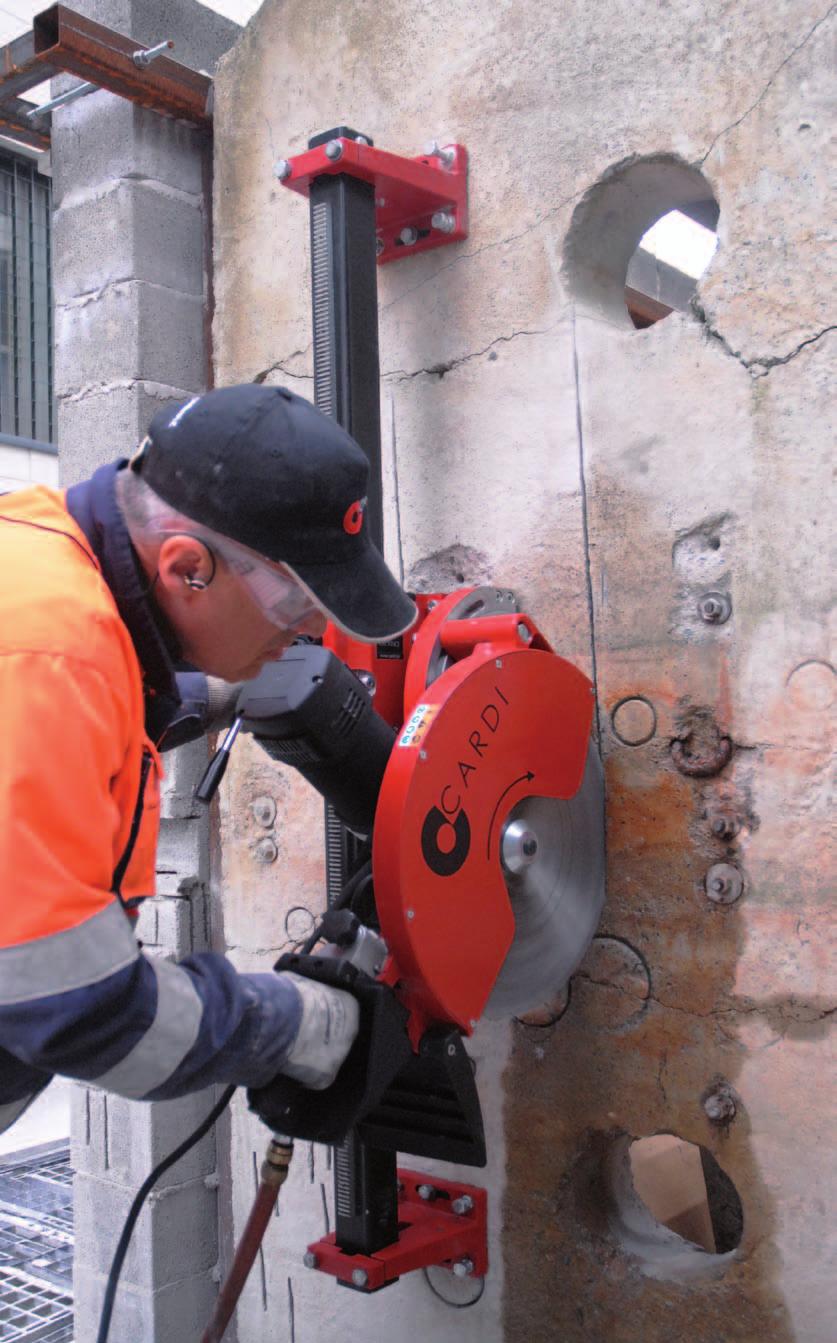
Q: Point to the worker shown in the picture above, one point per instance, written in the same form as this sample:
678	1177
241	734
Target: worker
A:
130	605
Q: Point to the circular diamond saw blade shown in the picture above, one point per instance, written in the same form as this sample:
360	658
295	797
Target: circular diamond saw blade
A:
557	897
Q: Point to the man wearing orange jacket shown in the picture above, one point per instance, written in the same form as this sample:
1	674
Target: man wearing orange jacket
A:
237	527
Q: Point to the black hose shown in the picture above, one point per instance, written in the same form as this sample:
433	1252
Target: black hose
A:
136	1208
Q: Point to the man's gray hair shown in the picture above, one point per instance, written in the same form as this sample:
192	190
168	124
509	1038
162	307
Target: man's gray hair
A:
146	514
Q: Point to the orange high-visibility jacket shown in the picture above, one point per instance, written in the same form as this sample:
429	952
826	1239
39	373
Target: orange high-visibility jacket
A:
79	816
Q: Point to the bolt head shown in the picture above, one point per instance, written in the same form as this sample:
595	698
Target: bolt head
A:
524	633
334	150
411	913
443	221
379	246
463	1268
714	608
409	236
309	1259
282	169
724	883
360	1277
719	1106
425	1191
462	1205
266	851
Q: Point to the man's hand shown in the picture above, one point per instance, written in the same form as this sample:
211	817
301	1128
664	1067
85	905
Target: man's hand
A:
327	1031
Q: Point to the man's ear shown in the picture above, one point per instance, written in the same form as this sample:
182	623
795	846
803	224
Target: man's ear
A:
185	564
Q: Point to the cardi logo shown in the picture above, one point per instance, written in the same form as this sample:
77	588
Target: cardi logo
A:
353	518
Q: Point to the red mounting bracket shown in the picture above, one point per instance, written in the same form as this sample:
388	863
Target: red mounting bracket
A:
420	203
441	1223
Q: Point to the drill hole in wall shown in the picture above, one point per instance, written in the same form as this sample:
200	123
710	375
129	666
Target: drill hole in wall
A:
673	1207
640	239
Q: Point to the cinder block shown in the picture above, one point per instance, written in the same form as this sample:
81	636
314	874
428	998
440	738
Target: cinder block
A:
131	230
184	770
146	925
103	137
180	848
175	1314
88	1127
175	1236
107	424
141	1134
133	330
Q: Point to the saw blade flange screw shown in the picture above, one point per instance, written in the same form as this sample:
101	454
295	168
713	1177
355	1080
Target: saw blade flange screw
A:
715	608
309	1259
462	1205
444	221
282	169
463	1268
334	150
359	1277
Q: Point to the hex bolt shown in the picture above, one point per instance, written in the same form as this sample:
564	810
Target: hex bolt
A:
411	913
433	150
426	1192
444	221
462	1205
266	851
264	810
409	236
524	633
359	1277
282	169
715	608
719	1106
463	1268
309	1259
725	826
362	140
724	884
334	150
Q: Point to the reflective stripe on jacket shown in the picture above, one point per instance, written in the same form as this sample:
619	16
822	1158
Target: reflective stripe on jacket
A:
79	816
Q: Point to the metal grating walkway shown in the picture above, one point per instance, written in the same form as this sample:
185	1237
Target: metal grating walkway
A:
36	1246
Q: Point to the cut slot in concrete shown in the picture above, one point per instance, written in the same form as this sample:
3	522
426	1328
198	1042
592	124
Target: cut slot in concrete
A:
673	1207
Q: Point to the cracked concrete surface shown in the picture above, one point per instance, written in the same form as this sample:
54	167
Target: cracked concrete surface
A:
611	477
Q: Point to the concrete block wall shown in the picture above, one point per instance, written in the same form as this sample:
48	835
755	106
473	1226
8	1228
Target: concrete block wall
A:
132	295
23	466
612	477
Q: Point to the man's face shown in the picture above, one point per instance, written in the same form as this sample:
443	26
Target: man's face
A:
222	628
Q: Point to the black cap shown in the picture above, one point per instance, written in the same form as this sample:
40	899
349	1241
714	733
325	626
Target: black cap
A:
267	469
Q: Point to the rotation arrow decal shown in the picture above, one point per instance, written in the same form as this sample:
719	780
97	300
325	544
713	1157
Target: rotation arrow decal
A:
528	775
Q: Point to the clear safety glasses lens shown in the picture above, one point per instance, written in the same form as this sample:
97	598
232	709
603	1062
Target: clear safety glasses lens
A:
279	597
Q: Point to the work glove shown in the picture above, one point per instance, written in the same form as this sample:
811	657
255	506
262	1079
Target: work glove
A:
327	1030
379	1049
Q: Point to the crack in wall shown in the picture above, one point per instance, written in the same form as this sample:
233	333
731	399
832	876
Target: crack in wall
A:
441	369
768	85
280	367
760	365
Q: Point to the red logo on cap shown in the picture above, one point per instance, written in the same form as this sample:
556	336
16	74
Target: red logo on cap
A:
353	519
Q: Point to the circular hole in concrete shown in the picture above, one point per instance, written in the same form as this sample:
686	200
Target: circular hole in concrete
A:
640	239
673	1207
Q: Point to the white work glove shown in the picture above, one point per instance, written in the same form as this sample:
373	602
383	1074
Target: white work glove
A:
327	1031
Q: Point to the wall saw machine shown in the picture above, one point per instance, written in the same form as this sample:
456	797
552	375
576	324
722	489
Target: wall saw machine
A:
464	818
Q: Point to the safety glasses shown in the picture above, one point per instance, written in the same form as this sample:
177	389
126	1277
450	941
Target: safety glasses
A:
280	597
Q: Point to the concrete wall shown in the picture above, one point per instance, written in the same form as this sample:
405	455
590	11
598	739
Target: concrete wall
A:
132	294
22	466
613	477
